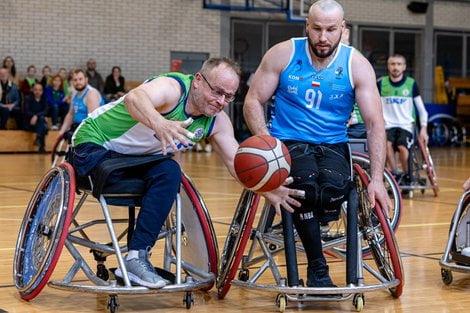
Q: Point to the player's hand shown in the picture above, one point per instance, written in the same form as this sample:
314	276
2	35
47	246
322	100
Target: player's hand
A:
284	197
376	192
423	136
169	132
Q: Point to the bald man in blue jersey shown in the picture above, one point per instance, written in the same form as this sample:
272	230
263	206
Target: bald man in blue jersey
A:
315	81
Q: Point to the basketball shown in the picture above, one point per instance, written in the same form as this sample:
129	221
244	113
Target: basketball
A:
262	163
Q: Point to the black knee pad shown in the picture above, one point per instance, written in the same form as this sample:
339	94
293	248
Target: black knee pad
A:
333	191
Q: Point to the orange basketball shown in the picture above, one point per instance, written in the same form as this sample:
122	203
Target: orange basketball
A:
262	163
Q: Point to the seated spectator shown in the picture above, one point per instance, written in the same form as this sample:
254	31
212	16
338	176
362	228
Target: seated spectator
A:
114	85
9	64
28	82
35	112
94	78
9	101
56	101
46	76
65	83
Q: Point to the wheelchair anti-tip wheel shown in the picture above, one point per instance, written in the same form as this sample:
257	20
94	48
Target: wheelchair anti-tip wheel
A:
43	231
377	232
237	238
199	241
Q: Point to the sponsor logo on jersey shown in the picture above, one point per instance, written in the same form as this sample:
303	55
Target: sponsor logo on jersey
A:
292	89
336	96
395	100
317	77
339	72
295	77
298	66
198	133
405	92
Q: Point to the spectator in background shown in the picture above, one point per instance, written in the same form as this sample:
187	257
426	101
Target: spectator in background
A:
9	64
36	111
9	100
94	78
56	101
28	82
114	85
65	83
85	101
46	76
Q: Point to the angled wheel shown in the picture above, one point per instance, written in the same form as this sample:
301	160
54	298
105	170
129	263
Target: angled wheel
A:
430	171
391	186
378	234
199	241
461	233
60	150
44	230
237	238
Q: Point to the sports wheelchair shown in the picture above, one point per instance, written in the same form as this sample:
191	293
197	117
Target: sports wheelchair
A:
363	236
52	221
457	252
61	148
421	173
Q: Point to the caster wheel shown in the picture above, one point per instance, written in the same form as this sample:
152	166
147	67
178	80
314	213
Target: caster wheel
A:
446	276
244	275
188	300
102	272
113	304
358	302
281	302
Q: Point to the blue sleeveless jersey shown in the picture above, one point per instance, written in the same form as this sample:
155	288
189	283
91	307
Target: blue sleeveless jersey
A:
80	109
314	106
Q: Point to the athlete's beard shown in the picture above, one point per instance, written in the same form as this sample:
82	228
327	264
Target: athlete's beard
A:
80	89
322	54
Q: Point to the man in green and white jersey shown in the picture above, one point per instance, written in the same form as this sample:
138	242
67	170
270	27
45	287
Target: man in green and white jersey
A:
167	114
400	95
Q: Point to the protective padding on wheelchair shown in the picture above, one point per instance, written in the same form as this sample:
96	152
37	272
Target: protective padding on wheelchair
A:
378	234
391	186
44	230
431	173
237	238
199	241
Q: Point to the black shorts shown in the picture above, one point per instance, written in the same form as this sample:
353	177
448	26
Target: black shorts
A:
399	137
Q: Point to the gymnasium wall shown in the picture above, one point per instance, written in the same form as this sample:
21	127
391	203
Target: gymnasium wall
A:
138	35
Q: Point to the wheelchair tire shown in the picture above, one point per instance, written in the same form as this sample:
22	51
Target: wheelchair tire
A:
199	239
379	236
237	238
431	173
44	230
391	186
460	238
59	151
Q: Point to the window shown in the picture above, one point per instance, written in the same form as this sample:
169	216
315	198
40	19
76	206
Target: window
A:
375	46
449	53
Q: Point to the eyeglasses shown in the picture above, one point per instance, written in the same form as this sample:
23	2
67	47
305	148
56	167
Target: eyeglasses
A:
219	93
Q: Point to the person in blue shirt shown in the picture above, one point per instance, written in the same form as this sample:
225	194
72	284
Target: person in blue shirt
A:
85	101
56	100
35	113
315	81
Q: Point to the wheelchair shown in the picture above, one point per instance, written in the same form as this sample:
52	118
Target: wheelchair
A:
363	236
61	148
455	258
421	171
51	221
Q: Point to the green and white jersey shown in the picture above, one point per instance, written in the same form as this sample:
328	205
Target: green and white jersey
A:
397	102
112	127
356	117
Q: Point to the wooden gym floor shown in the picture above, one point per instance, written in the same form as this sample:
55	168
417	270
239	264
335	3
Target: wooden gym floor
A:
421	236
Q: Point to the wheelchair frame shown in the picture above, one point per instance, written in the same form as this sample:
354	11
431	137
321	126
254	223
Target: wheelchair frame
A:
364	225
50	223
459	238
